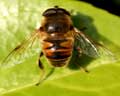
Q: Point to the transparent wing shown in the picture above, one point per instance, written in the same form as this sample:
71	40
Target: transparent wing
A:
89	47
19	53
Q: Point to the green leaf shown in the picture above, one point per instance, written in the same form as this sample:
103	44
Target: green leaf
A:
18	18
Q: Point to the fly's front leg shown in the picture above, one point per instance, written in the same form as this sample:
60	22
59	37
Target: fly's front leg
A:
42	69
79	54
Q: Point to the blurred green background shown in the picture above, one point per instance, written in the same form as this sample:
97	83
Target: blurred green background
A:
19	18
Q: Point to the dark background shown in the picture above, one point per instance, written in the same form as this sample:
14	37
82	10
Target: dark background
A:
112	6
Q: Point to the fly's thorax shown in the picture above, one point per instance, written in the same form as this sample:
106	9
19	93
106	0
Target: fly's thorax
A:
56	23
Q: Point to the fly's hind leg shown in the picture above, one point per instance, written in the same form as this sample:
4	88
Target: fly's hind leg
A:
79	54
42	70
43	76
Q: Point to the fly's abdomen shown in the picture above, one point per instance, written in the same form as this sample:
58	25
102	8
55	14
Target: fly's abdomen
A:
58	52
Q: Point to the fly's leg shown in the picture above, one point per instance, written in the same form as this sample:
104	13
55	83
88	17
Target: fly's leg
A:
42	69
82	68
43	75
79	53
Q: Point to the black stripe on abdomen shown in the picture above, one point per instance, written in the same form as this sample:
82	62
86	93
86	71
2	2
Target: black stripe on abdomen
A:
58	55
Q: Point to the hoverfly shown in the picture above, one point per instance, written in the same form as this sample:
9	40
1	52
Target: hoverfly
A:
59	38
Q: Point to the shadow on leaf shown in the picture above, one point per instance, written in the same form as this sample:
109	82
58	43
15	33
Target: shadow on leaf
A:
82	21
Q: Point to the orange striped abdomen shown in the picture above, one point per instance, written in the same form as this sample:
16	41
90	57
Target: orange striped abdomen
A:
58	52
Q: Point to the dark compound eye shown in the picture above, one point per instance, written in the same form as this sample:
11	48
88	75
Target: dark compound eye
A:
55	10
